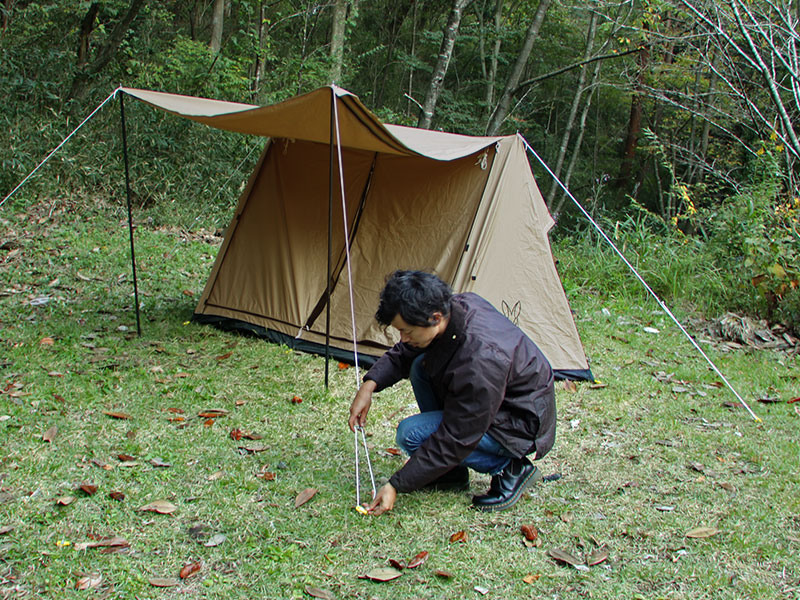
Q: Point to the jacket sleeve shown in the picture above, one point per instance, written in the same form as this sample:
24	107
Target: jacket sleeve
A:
475	391
393	366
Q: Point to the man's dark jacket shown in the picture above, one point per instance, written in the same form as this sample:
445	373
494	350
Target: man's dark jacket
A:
491	378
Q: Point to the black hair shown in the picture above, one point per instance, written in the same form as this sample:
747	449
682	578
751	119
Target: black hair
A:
415	296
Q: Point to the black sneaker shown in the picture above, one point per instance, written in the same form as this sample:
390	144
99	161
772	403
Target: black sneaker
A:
507	486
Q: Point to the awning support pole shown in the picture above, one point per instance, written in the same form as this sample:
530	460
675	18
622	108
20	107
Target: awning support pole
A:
130	213
330	247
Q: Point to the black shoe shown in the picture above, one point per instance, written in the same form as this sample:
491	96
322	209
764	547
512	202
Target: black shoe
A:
457	479
507	486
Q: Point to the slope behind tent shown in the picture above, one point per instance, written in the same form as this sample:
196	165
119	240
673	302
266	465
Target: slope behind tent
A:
466	208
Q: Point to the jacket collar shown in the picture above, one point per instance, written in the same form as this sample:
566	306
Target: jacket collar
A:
442	349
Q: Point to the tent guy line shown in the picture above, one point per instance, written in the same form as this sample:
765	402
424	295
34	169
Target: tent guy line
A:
660	302
57	148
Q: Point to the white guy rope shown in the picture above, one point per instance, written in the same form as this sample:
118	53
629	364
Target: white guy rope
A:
346	239
663	306
352	304
57	148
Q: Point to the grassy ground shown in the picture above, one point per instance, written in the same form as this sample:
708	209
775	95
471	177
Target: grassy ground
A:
648	458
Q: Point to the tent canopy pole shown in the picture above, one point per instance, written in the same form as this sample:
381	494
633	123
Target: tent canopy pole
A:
130	213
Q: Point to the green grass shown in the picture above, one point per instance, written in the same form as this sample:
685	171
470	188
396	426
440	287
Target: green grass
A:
644	460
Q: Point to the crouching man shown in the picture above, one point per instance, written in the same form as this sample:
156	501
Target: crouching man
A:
484	389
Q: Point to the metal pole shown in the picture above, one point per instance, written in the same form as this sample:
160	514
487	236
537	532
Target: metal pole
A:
130	214
330	247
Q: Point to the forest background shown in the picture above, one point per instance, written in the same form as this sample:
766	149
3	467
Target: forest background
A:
673	122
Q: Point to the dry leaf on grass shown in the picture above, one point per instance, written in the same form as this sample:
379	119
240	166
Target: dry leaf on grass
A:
530	532
112	542
190	569
596	557
88	488
458	536
88	582
6	529
531	578
702	532
445	574
163	581
212	413
216	540
117	415
65	500
319	593
383	574
304	496
118	496
564	557
159	506
50	434
417	560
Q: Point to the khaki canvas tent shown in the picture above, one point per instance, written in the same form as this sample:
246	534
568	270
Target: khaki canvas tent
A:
466	208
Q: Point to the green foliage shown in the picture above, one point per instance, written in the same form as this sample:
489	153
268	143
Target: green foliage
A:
755	235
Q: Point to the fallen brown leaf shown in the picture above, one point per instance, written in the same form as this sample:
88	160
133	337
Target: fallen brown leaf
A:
112	542
445	574
383	574
319	593
50	434
596	557
6	529
224	356
236	434
88	488
702	532
163	581
296	399
126	457
530	532
65	500
118	496
190	569
116	415
531	579
159	462
397	564
212	413
46	341
159	506
564	557
304	496
88	582
417	560
458	536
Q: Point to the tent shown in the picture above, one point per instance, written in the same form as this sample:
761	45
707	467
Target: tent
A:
466	208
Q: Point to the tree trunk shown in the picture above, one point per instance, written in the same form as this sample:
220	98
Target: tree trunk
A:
217	22
491	80
337	40
634	123
579	142
573	112
8	8
258	65
445	53
105	53
410	94
87	26
501	110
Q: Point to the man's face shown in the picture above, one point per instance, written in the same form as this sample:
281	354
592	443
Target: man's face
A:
415	335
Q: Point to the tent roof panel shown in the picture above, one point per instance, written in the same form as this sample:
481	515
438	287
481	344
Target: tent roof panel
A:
307	117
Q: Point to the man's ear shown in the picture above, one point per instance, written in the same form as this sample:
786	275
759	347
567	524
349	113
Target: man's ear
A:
436	318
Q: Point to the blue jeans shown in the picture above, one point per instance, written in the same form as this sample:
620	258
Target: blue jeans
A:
489	457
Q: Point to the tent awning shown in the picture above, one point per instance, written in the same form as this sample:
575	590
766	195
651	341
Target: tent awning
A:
307	117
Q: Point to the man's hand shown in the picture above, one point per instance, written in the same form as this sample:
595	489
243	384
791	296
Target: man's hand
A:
361	403
384	500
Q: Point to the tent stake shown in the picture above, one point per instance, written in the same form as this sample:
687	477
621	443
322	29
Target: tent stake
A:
130	214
